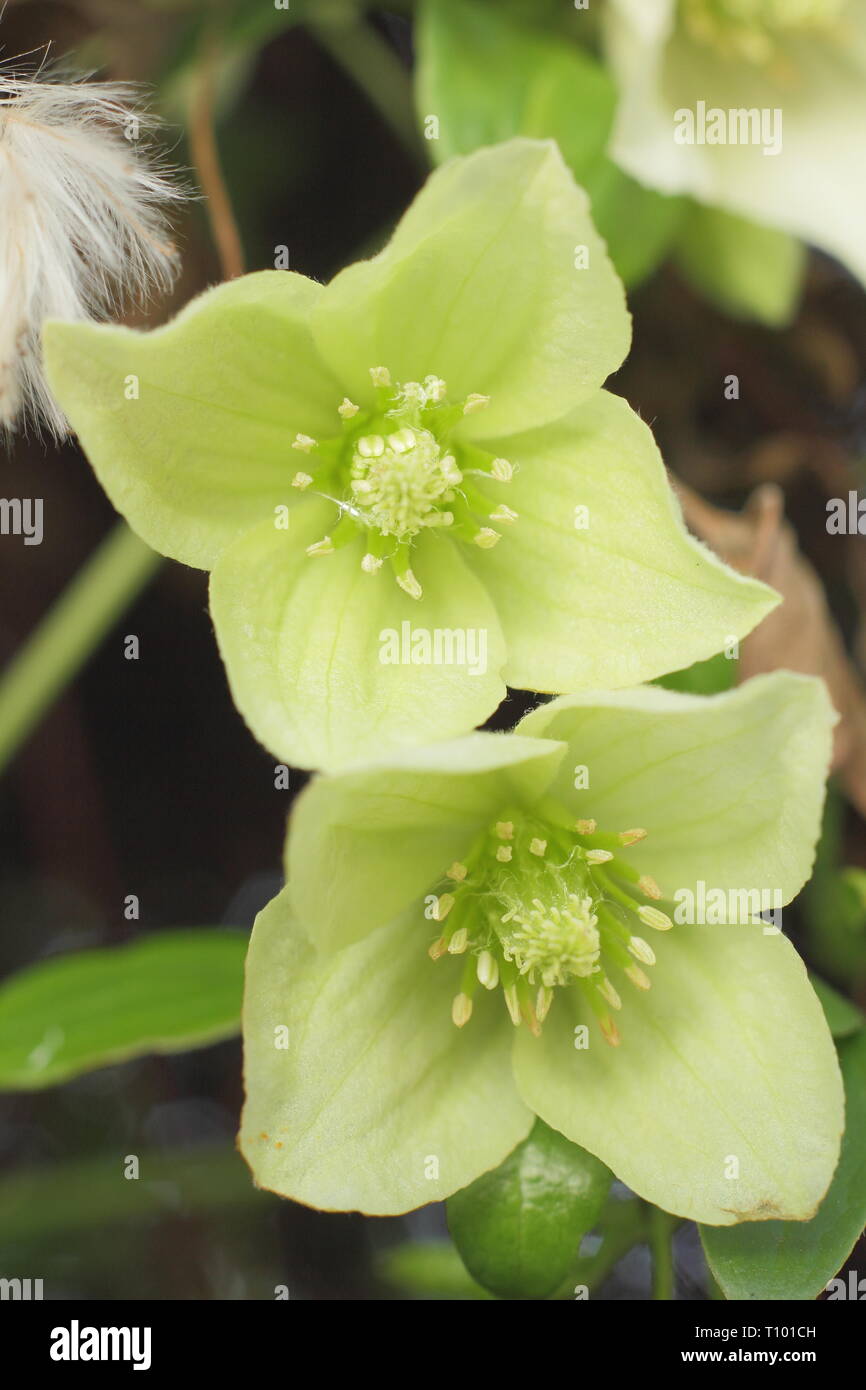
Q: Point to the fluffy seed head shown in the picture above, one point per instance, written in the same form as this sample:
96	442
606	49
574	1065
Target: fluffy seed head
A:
82	222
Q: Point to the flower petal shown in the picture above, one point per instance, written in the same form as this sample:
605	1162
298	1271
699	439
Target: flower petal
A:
315	649
376	1101
723	1101
623	598
479	286
729	787
366	844
189	428
808	186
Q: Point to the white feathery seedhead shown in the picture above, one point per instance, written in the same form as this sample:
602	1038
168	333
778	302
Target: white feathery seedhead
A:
82	222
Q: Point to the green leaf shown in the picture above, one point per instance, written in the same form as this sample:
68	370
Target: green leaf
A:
794	1259
489	77
749	271
637	223
843	1017
168	992
518	1228
708	677
428	1269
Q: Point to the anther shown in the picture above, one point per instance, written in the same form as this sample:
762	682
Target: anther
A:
348	409
502	470
631	837
503	854
459	941
505	829
598	856
457	872
608	993
512	1003
652	917
444	904
323	547
438	949
642	950
486	538
648	886
609	1030
586	827
371	563
543	1001
637	976
461	1010
538	847
380	376
475	402
304	442
409	584
504	514
487	970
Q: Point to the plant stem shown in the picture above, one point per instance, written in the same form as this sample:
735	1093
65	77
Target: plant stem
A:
371	62
661	1230
205	154
107	583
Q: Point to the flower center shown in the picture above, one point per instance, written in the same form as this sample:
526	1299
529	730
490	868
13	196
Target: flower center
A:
400	481
398	469
750	29
543	903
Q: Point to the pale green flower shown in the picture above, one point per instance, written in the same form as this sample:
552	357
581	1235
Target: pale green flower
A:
424	444
798	65
464	934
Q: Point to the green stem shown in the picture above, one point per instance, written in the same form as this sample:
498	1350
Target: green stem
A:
661	1230
371	62
112	577
622	1226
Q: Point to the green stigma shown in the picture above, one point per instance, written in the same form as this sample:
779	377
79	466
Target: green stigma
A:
397	469
751	29
542	904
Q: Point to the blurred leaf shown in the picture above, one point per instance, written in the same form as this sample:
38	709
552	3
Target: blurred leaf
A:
51	1202
519	1227
708	677
843	1017
168	992
637	223
747	270
488	77
796	1259
428	1269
